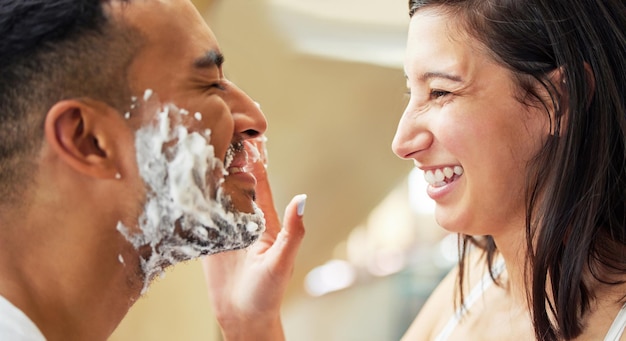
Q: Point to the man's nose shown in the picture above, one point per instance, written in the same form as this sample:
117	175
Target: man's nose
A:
249	119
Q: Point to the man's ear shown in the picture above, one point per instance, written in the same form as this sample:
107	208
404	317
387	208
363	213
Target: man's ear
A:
77	132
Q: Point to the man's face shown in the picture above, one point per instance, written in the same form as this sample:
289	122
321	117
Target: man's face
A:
178	83
180	62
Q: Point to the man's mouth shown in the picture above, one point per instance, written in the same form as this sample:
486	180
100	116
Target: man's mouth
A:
235	170
442	176
236	160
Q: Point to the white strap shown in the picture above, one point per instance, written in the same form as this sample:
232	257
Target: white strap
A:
617	328
474	295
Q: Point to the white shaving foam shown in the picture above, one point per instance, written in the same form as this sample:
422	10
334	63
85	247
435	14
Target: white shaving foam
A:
182	219
147	94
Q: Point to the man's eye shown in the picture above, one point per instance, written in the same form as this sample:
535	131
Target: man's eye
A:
216	85
219	86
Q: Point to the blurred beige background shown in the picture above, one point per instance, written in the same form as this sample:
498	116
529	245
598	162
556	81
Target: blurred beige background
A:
328	75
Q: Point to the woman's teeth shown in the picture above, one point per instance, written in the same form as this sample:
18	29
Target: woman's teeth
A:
442	176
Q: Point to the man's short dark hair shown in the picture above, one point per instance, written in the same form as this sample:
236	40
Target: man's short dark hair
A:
51	50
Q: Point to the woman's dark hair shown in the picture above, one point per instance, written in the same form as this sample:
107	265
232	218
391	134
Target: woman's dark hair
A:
576	189
52	50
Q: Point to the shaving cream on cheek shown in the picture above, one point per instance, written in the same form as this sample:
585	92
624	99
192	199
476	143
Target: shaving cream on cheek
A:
186	213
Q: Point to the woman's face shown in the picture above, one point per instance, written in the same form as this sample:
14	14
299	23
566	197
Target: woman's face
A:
465	128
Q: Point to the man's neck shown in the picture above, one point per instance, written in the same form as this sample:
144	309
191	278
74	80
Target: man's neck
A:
72	286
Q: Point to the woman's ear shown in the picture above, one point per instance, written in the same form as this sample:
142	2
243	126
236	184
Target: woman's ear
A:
561	86
591	83
560	97
80	133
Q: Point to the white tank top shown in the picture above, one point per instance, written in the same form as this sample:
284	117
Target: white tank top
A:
615	331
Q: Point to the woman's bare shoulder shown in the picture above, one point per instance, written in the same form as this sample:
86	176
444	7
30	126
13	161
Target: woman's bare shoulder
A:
440	306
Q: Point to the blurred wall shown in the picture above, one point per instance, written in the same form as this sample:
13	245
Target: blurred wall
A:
174	308
331	122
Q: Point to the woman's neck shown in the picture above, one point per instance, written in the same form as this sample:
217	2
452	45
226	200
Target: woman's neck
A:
512	248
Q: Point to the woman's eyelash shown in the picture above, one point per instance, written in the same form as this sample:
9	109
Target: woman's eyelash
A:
433	93
438	93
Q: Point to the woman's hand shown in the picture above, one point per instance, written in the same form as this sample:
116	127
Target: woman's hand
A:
246	287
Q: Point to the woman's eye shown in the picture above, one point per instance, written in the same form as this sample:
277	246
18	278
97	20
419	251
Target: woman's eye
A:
434	94
438	93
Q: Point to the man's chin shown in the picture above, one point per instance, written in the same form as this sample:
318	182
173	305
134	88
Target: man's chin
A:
228	231
242	201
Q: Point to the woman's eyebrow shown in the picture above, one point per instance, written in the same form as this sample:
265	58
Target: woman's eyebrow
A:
429	75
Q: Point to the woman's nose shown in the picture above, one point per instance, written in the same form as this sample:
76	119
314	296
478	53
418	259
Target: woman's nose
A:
412	135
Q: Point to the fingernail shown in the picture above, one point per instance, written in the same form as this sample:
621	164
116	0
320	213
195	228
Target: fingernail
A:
301	204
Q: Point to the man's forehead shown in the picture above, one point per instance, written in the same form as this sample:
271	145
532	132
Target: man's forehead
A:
153	6
172	29
155	17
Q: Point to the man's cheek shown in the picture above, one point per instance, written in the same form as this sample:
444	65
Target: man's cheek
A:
190	209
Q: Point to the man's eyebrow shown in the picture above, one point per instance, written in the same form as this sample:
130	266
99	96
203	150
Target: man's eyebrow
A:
210	59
